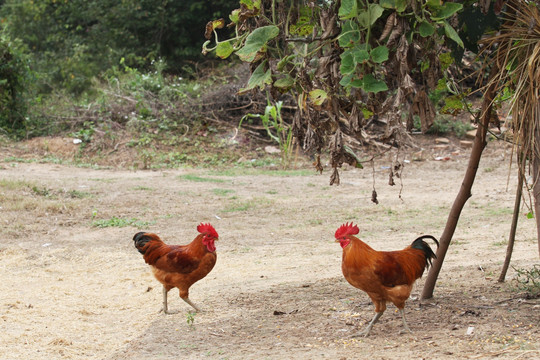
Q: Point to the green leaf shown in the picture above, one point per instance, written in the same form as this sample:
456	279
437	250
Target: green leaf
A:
351	152
360	53
350	34
401	5
452	34
318	96
530	215
388	4
426	29
251	4
398	5
347	63
348	9
224	49
284	84
367	17
346	80
283	62
370	84
259	78
235	16
256	41
447	10
379	54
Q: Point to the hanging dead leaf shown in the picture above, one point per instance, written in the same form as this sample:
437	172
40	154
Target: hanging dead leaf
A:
317	164
391	178
374	197
211	25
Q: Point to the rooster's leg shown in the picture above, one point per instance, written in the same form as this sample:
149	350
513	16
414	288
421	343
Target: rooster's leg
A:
186	299
165	308
370	325
404	321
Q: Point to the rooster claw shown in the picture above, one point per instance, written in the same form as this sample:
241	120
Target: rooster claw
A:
167	312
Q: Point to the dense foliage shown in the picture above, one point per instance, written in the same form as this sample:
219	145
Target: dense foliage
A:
72	41
354	64
14	74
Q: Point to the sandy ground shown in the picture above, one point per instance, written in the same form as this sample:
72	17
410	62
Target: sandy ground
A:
71	289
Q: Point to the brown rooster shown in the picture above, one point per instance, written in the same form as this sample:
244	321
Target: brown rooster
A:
179	266
383	275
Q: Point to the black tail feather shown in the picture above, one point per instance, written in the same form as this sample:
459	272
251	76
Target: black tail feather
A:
420	244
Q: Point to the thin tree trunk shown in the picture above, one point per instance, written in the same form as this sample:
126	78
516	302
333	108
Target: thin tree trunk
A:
515	217
465	190
536	172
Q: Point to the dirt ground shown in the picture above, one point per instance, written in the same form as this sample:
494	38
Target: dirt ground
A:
74	287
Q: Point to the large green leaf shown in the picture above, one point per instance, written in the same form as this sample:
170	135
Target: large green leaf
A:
379	54
367	17
398	5
259	78
349	34
284	84
348	64
256	41
447	10
426	29
452	34
224	49
348	9
370	84
360	53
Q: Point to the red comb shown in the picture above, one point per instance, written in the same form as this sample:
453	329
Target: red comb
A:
346	229
208	229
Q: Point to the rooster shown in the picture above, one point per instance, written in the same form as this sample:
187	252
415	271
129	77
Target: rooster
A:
383	275
179	266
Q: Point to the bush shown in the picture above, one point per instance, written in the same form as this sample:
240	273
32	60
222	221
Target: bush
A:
14	76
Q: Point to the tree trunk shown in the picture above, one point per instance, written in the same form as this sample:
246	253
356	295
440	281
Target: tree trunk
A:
465	190
515	217
536	172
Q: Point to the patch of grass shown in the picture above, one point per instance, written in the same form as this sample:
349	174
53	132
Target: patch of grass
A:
529	280
142	188
196	178
121	222
41	191
76	194
239	206
222	192
13	184
238	171
246	205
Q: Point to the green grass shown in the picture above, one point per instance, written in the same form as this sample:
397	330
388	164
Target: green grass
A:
14	184
238	171
196	178
142	188
121	222
222	192
246	205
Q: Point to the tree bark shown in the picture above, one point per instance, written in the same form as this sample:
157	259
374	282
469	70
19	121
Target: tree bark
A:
536	172
466	186
515	217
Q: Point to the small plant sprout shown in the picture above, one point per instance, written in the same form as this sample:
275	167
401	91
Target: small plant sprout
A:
190	317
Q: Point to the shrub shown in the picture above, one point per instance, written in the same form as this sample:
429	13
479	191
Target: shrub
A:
14	76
